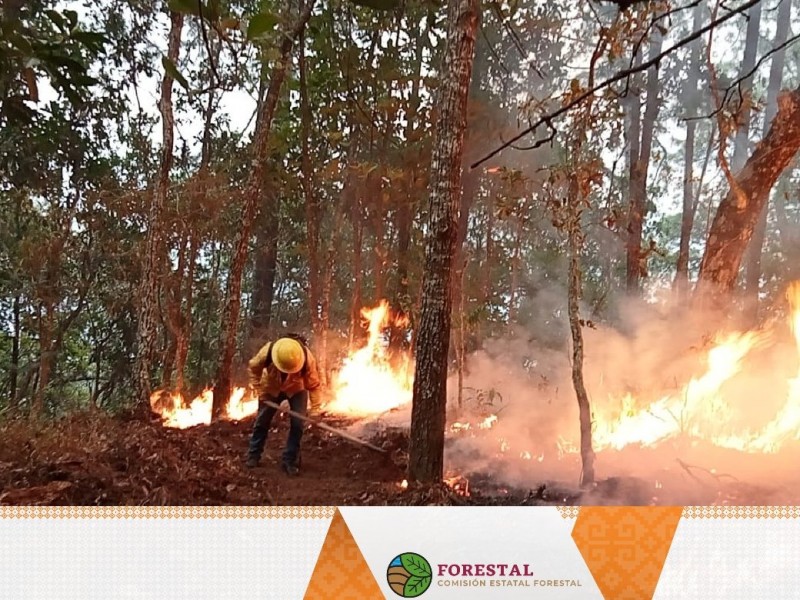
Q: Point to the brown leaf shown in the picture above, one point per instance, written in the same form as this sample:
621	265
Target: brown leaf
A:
36	496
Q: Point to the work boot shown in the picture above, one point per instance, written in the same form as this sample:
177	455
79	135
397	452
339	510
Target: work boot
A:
290	469
252	462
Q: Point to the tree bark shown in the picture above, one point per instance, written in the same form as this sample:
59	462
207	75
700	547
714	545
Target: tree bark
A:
753	257
185	331
13	370
266	265
738	212
575	238
312	208
515	266
640	165
148	293
252	194
214	293
741	145
428	414
356	302
467	199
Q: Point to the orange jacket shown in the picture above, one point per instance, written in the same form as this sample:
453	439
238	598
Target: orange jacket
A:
266	381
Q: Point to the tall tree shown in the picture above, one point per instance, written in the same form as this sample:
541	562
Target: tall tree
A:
739	211
426	448
252	195
148	296
753	257
691	101
640	162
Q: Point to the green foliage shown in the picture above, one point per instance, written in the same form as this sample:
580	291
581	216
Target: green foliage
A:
77	176
260	25
51	44
173	72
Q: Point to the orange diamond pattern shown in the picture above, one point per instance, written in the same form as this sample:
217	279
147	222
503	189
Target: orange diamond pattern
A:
625	547
341	573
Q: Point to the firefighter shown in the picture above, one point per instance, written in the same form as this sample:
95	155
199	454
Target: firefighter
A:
282	370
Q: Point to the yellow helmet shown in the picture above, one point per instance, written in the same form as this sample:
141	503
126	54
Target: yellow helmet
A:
288	355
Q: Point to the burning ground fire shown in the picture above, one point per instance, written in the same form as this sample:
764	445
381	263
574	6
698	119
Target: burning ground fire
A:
370	383
700	410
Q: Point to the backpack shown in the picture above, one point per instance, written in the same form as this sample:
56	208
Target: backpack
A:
303	342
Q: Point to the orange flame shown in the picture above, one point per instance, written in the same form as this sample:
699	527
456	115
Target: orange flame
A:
369	383
700	411
180	415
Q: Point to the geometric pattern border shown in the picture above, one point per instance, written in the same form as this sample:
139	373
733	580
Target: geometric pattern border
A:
167	512
569	512
716	512
741	512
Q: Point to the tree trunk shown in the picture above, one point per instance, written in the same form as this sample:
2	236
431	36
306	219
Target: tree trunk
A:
515	265
639	167
634	135
46	355
738	212
185	331
173	314
753	258
690	102
379	250
327	285
266	265
574	210
13	371
148	294
467	199
358	240
213	293
576	330
741	147
428	414
230	320
312	208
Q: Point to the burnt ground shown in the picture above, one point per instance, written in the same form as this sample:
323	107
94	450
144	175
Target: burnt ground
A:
95	459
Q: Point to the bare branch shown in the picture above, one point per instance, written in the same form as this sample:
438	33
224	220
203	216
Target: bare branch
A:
654	21
737	83
618	77
205	41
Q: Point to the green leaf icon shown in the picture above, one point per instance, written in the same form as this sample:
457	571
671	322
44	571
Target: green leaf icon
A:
416	565
416	586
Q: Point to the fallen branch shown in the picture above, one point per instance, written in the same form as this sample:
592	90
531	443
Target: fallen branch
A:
687	467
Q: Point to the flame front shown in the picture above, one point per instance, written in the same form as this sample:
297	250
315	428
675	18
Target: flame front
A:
700	410
180	415
371	381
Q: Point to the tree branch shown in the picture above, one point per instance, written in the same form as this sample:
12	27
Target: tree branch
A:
205	41
618	77
737	83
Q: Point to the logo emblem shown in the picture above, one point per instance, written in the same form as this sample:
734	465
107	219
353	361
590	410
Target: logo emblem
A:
409	575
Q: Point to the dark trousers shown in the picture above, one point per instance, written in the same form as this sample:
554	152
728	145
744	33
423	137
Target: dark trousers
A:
299	404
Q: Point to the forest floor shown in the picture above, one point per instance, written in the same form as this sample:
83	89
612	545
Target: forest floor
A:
96	459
